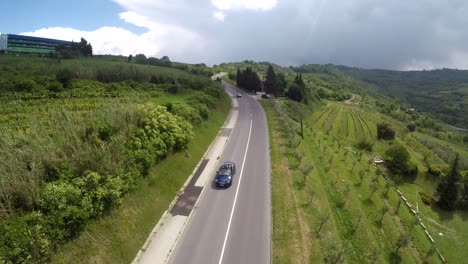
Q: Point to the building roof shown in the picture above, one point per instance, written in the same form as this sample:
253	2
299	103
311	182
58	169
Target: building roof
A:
47	40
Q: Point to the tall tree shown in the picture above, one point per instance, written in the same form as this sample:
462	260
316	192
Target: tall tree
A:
295	92
85	48
281	82
448	187
248	79
298	80
141	59
239	77
270	81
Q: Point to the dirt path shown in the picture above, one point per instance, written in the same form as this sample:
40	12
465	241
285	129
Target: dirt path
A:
349	101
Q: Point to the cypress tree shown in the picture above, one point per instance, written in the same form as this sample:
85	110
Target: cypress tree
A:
239	78
270	81
448	188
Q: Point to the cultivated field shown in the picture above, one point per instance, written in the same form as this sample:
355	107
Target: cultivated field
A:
331	203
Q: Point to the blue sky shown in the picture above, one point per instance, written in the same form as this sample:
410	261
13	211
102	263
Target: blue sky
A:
28	15
396	34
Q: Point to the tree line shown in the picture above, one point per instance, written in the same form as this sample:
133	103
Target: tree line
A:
164	61
274	83
77	49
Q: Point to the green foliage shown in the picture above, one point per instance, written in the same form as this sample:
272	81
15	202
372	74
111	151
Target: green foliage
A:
99	193
163	62
232	76
189	113
441	92
398	162
77	49
295	92
26	86
365	145
65	77
66	211
141	59
448	188
248	79
411	127
385	132
271	83
71	156
24	239
158	133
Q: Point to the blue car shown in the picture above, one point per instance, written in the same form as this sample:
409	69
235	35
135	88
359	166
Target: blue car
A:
225	174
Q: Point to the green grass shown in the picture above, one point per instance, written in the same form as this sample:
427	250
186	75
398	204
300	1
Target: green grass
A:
356	225
117	237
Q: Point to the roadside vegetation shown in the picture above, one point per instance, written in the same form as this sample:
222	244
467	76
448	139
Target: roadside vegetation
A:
80	136
337	184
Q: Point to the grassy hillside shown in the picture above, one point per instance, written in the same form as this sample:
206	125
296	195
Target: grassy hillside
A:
77	137
443	93
344	208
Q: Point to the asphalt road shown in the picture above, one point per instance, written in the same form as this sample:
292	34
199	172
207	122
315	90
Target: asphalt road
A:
234	225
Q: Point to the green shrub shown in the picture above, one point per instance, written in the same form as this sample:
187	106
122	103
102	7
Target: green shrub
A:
201	109
213	91
24	239
173	89
26	86
99	193
411	127
202	98
365	145
399	163
65	77
187	112
159	132
105	131
65	209
385	132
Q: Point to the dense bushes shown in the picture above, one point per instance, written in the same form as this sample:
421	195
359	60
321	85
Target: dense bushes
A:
158	133
25	240
399	162
385	132
82	174
365	145
76	165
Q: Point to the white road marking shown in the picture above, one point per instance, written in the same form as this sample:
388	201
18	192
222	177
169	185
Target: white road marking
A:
237	192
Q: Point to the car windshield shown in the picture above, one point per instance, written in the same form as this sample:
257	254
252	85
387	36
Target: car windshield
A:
224	172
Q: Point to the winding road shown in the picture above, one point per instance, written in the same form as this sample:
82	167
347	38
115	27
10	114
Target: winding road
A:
234	225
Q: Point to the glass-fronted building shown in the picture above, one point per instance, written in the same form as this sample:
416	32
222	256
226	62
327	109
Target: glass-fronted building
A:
10	43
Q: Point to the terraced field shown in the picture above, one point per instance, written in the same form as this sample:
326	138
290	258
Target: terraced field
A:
345	121
346	210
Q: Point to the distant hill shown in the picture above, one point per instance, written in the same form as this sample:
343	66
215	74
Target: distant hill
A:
443	93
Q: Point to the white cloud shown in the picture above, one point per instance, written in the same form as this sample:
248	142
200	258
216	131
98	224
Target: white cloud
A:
105	40
259	5
219	15
394	34
158	40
